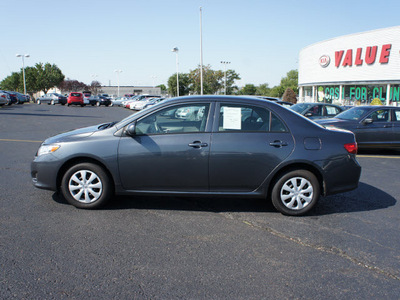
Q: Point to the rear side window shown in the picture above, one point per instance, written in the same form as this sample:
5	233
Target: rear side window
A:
248	118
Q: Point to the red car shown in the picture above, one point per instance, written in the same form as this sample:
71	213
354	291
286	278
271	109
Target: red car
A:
75	98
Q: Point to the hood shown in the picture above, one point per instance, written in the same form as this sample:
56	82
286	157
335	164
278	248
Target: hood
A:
73	135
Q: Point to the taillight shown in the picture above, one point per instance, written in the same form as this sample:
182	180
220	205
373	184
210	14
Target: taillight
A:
351	148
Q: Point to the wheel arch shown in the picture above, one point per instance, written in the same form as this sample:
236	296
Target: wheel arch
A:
296	166
77	160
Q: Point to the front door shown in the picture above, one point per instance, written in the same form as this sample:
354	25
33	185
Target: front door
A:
170	151
377	133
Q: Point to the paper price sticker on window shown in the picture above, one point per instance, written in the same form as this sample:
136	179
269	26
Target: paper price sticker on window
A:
232	118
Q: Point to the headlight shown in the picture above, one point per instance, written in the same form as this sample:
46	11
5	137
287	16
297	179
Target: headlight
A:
45	149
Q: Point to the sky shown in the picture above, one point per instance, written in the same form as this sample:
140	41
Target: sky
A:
88	40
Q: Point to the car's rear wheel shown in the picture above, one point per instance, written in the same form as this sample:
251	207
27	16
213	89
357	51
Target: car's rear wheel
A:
86	185
295	192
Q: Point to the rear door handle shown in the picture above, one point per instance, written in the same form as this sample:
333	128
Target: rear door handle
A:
278	144
198	144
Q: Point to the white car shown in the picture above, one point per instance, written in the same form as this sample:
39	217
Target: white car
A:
118	101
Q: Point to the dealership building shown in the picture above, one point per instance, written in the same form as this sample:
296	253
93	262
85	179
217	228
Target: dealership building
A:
352	69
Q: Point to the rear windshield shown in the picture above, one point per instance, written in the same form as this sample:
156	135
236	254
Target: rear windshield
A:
76	94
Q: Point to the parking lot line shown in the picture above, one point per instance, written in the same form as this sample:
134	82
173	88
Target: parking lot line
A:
26	141
378	156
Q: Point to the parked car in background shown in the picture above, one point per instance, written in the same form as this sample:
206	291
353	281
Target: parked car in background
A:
374	126
281	157
86	96
99	100
75	98
21	98
52	98
13	97
284	103
139	105
118	101
268	98
316	110
4	98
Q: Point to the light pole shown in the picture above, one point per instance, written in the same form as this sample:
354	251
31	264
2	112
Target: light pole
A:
176	50
201	52
23	68
118	72
225	63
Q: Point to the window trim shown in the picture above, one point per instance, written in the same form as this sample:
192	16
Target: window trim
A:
208	119
215	127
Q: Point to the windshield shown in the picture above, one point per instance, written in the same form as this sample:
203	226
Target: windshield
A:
300	107
354	113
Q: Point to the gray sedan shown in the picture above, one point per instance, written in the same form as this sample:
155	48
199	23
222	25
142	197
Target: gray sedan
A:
237	146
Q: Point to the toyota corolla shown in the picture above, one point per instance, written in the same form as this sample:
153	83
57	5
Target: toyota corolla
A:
237	146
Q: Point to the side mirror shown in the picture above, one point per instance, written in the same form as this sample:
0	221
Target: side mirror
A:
131	130
368	121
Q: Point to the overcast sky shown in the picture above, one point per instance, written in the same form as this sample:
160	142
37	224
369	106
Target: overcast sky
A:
262	39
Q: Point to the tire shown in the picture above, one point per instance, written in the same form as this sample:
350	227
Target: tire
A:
86	185
39	102
295	192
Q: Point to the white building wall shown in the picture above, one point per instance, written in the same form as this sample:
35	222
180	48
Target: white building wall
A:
311	72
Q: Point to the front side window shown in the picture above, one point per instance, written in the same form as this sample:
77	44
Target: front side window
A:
381	115
248	118
397	115
177	119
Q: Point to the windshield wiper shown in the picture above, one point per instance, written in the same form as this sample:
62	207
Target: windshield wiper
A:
106	125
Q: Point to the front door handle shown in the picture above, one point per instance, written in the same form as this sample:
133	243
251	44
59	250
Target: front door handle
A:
198	144
278	144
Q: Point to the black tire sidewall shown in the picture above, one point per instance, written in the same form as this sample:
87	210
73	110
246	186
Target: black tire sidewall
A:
105	180
275	194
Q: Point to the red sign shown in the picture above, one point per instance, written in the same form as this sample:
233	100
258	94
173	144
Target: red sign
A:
369	55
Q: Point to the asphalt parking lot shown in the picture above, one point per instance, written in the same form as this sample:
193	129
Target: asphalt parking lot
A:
188	248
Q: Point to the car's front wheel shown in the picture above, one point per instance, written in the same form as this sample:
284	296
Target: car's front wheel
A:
295	192
86	185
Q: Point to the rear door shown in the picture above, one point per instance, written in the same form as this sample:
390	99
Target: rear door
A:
248	142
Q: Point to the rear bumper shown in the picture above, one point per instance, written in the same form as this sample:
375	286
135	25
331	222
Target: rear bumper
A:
340	175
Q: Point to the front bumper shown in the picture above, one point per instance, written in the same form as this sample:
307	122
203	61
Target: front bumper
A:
44	173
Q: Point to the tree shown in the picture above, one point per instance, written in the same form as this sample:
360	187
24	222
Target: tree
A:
291	81
72	86
248	89
184	84
47	76
162	87
231	76
95	87
12	82
263	90
289	96
212	80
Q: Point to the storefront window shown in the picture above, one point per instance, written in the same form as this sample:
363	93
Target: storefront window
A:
357	94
